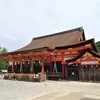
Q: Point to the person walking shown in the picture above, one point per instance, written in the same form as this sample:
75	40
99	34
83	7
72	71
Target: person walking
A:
14	77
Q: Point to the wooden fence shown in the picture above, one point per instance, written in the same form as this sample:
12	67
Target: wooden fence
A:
89	75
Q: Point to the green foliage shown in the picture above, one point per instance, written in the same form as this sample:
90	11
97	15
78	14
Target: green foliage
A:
3	50
98	45
3	62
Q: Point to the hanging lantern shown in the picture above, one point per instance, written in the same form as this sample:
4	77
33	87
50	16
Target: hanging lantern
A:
23	62
18	62
34	62
11	63
91	65
28	62
15	63
96	65
76	64
39	62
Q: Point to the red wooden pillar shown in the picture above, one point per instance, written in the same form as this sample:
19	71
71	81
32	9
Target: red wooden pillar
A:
8	65
63	64
66	71
12	64
50	64
31	66
21	67
42	66
63	70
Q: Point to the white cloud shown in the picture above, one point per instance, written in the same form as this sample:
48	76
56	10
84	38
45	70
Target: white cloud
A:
9	37
25	19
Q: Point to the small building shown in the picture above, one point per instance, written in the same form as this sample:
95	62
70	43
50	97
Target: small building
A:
63	55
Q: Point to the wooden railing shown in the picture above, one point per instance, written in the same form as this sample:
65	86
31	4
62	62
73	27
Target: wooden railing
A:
54	75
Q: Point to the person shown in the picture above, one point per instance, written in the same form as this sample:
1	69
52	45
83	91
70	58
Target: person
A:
14	77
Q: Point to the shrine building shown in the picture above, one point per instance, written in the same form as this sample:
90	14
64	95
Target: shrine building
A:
63	55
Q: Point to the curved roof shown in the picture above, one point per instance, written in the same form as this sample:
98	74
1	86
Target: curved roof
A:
50	42
54	40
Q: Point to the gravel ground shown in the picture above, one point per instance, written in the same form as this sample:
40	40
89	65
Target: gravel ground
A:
48	90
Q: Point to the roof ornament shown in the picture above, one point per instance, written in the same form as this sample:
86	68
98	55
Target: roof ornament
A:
81	28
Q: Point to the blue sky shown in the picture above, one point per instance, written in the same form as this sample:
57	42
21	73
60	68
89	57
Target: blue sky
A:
22	20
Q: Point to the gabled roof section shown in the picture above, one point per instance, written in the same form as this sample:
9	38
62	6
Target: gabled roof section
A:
80	43
82	53
63	32
54	40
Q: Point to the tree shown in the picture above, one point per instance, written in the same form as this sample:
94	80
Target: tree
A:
98	45
3	62
3	50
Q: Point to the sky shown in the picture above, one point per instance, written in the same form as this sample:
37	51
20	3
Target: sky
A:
22	20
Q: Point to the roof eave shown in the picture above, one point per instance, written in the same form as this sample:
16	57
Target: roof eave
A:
82	53
91	41
26	51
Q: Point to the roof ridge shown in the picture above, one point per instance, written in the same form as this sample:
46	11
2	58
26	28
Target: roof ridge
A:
59	33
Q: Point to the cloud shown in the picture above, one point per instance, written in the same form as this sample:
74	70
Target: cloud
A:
25	19
9	37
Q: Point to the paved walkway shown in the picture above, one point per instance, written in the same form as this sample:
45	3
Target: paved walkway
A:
49	90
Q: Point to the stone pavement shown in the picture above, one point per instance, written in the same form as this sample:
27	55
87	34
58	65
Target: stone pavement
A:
49	90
